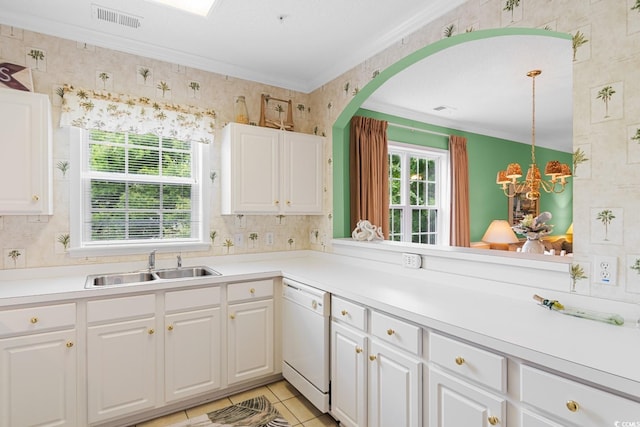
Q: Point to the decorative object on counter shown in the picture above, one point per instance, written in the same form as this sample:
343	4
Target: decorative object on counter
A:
533	182
256	412
276	121
614	319
240	110
16	76
533	229
577	273
499	235
365	231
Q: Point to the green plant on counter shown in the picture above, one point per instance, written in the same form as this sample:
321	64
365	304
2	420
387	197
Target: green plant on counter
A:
64	240
577	273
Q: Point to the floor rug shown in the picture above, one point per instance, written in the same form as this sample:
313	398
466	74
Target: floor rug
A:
256	412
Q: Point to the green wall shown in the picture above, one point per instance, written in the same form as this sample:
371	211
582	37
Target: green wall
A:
487	155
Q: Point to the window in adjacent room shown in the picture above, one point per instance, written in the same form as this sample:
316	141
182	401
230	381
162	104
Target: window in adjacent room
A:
418	194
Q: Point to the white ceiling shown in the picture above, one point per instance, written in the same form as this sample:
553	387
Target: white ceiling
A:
303	44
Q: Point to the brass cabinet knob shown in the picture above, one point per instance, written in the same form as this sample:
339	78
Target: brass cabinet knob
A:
151	331
34	320
252	291
459	360
170	328
232	316
358	350
288	202
572	405
69	344
390	332
372	357
493	420
344	312
277	202
35	197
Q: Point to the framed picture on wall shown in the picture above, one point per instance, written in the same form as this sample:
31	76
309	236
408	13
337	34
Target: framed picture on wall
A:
519	206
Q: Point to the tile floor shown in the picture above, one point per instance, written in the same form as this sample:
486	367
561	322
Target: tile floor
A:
284	397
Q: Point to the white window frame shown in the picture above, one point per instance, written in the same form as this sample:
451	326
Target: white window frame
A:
443	193
79	247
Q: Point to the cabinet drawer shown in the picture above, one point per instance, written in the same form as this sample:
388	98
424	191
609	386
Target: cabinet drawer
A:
398	332
249	290
471	362
121	308
349	313
574	402
192	298
36	319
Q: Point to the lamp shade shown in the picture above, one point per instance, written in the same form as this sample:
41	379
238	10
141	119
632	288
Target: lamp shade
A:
500	231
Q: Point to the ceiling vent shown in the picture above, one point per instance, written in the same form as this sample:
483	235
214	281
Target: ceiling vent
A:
105	14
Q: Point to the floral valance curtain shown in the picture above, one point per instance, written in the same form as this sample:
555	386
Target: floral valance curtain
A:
90	109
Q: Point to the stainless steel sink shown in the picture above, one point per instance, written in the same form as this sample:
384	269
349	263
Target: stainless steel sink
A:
109	279
185	272
119	278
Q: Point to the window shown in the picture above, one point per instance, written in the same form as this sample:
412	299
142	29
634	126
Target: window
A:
418	194
137	192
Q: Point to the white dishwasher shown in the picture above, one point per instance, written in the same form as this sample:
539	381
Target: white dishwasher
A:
305	341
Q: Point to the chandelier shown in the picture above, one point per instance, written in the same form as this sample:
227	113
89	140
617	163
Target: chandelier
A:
557	172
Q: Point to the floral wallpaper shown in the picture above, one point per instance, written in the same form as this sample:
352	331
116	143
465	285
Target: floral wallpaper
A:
606	42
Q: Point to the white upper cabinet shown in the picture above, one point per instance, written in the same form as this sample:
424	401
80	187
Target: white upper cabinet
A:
268	171
25	153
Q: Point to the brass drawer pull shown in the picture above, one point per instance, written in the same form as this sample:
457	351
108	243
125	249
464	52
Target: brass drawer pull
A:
170	328
252	291
390	332
344	312
151	331
34	320
372	357
232	316
459	361
69	344
573	406
358	350
493	420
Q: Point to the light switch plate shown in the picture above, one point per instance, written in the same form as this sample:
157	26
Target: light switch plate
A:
411	260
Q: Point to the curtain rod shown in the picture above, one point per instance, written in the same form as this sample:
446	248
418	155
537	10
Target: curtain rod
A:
419	130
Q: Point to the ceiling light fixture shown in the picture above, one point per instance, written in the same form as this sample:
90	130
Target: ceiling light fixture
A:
197	7
533	182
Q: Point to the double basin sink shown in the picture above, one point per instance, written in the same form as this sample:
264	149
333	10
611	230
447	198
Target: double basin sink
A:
100	280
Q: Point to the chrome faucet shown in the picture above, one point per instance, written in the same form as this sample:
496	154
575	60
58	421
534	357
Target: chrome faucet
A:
152	260
179	259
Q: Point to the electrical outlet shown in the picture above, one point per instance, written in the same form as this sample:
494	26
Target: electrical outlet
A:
605	269
411	260
268	238
238	239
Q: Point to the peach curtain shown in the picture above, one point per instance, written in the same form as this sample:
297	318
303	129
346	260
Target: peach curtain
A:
460	223
369	172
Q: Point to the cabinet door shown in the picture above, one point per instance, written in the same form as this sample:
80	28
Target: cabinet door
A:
192	353
250	340
394	388
121	368
25	153
38	386
529	419
454	403
348	376
252	172
303	173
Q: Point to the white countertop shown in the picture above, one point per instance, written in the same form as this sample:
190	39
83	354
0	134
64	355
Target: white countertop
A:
503	321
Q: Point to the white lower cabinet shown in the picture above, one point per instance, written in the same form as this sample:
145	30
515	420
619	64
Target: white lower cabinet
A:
375	382
530	419
38	366
38	386
192	350
250	330
349	353
395	387
569	402
456	403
